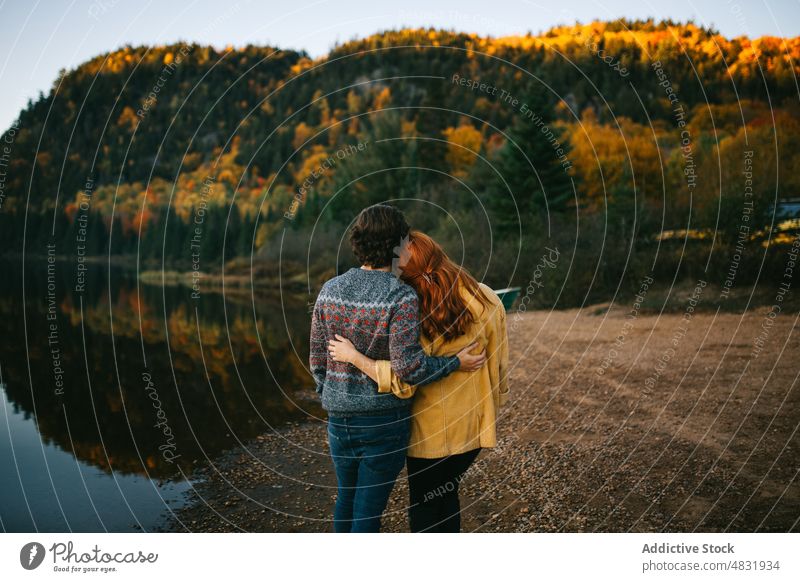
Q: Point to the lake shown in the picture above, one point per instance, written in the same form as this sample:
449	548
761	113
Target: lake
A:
114	390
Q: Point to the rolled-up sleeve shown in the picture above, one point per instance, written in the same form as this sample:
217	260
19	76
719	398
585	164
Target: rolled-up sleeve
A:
389	382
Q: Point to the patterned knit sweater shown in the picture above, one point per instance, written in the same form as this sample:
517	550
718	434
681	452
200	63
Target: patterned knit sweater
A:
380	315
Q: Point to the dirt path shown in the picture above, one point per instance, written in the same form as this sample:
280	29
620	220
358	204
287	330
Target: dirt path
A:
683	430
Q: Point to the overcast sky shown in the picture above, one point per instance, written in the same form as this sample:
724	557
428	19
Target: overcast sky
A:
39	37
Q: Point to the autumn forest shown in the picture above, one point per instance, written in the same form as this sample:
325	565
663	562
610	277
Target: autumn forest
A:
635	148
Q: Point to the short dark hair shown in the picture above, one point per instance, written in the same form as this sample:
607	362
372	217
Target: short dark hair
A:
377	231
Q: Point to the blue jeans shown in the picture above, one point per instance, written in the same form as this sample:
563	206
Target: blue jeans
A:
368	454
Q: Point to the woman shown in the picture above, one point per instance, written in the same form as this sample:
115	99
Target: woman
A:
453	418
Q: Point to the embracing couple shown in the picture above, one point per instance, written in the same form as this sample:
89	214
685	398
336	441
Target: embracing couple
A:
409	355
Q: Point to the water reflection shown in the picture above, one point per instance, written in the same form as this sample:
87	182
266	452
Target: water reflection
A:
128	387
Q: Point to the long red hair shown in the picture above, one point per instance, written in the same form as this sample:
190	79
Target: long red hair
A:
438	282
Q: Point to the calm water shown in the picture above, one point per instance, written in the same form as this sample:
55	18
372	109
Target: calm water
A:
111	395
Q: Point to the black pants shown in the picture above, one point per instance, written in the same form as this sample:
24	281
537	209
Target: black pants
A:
433	488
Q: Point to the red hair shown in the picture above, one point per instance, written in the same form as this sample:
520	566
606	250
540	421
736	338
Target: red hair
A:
438	282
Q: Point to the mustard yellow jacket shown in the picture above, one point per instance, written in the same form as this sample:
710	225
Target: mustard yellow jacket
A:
458	413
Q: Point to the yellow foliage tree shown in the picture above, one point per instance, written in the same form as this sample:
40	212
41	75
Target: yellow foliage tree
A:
464	143
301	134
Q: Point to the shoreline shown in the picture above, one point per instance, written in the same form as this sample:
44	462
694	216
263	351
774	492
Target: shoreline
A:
239	278
238	274
577	451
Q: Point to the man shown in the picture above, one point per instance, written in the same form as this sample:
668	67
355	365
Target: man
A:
368	432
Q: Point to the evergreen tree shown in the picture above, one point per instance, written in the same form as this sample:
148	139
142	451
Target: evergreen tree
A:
536	181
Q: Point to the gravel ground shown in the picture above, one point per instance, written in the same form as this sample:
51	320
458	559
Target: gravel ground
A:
685	430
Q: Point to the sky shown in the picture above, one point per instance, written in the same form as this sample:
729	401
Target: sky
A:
40	37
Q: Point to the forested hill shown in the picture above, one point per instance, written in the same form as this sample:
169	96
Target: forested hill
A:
149	132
